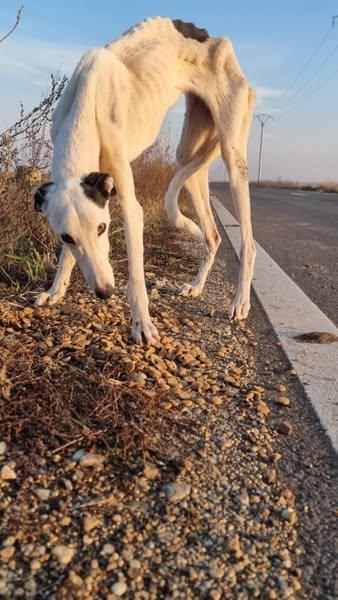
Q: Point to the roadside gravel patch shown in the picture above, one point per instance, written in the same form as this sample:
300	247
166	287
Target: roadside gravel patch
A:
165	484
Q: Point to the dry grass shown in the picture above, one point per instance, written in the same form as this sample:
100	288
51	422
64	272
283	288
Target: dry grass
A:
29	250
328	186
70	374
66	372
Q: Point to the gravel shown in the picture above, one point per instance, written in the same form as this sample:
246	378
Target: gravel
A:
200	510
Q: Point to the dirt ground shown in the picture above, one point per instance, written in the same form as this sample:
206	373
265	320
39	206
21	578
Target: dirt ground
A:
190	470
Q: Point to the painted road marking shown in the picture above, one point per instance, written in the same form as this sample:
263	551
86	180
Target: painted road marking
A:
298	194
292	313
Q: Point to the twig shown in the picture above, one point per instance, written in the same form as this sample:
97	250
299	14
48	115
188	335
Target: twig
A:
71	443
18	17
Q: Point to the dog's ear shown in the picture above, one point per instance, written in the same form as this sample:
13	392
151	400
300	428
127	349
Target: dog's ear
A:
99	182
40	196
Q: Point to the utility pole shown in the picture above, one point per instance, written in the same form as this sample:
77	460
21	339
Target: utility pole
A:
263	119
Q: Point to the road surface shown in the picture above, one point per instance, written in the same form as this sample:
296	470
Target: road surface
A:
300	231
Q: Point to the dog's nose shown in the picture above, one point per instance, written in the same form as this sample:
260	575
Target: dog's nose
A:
104	293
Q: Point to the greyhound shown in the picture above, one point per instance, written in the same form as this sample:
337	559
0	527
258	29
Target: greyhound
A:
111	110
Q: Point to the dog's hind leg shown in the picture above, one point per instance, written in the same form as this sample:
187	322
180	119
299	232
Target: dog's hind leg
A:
61	281
198	147
198	187
233	116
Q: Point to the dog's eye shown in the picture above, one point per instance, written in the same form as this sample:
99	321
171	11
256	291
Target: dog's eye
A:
101	229
67	238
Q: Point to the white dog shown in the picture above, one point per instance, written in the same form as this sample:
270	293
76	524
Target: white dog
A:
111	110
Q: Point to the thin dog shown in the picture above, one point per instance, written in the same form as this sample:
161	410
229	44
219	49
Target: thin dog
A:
111	110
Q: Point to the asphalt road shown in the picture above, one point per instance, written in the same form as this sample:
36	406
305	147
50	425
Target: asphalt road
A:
300	231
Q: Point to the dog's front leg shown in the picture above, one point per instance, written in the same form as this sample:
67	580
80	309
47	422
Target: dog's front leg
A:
142	327
61	281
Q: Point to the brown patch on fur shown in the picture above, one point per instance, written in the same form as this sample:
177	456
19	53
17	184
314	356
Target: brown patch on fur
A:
189	30
93	187
242	165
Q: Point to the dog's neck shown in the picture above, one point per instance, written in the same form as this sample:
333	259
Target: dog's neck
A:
77	143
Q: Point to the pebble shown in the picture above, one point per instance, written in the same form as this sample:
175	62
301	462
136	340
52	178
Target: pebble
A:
108	549
283	400
63	554
176	491
3	448
288	514
89	523
285	428
91	460
119	588
233	544
75	579
7	473
42	493
151	472
7	553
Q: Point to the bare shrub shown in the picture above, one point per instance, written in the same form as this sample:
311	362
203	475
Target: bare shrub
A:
27	245
29	250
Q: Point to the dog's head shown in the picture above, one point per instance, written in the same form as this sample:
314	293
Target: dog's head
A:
78	213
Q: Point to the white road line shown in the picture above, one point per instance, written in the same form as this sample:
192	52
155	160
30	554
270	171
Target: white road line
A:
292	313
299	194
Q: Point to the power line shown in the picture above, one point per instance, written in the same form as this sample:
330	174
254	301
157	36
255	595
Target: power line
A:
324	61
306	64
313	92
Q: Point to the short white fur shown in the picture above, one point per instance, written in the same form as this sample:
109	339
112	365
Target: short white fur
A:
111	110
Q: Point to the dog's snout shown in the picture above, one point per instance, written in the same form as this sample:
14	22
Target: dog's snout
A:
104	293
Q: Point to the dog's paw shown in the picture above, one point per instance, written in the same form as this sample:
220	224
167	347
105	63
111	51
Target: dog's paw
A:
239	310
143	331
190	291
48	298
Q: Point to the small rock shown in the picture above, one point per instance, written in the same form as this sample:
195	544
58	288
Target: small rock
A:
119	588
285	428
283	400
151	472
263	408
3	448
271	475
63	554
233	544
90	460
7	473
176	491
288	514
7	553
75	579
140	378
42	493
89	523
108	549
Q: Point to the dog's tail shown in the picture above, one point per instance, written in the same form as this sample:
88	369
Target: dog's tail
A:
175	186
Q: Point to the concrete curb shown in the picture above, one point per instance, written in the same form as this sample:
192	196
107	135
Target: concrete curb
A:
292	313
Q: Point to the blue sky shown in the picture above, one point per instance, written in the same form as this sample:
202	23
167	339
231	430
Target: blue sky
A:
272	40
